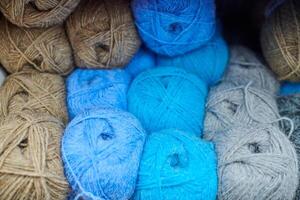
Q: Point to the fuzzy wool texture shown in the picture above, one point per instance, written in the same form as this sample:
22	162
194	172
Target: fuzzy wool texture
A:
101	150
103	34
39	13
168	97
174	27
92	88
2	76
208	62
177	165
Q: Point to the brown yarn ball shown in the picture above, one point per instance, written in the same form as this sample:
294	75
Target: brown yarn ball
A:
30	160
103	34
37	13
280	40
32	90
46	50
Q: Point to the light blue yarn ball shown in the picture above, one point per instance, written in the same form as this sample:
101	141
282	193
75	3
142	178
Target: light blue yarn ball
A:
208	62
289	88
90	88
142	60
168	97
177	166
174	27
101	151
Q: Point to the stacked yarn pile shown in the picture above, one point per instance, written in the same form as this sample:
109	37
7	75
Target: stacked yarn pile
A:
242	120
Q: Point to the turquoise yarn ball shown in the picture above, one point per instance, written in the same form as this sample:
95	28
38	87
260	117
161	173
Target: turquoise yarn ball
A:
175	165
208	62
174	27
90	88
142	60
168	97
101	151
289	88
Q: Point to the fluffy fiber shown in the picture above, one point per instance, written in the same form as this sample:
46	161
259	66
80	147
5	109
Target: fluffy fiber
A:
30	161
37	13
289	106
229	105
256	163
46	50
102	34
174	27
208	62
280	41
177	166
142	61
166	97
288	88
101	152
90	88
246	67
31	90
2	76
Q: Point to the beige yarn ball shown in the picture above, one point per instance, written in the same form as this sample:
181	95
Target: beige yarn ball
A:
280	41
46	50
37	13
30	159
103	34
32	90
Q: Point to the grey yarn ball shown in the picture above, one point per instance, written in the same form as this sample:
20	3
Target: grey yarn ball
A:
245	67
256	164
289	106
229	105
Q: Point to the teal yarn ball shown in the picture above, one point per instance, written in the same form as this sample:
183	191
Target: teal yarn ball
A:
143	60
168	97
289	88
177	165
93	88
101	152
208	62
174	27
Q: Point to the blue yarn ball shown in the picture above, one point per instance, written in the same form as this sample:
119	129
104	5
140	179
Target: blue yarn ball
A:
174	27
90	88
142	60
177	166
289	88
101	151
168	97
208	62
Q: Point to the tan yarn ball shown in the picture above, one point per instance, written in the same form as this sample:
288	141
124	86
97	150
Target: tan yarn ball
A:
46	50
32	90
37	13
280	40
30	160
103	34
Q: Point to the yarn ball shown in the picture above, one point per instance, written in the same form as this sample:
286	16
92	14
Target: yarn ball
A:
229	105
280	41
142	60
173	28
289	88
208	62
91	88
289	106
32	90
103	34
37	13
245	67
167	97
30	160
177	166
46	50
101	150
256	163
2	76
